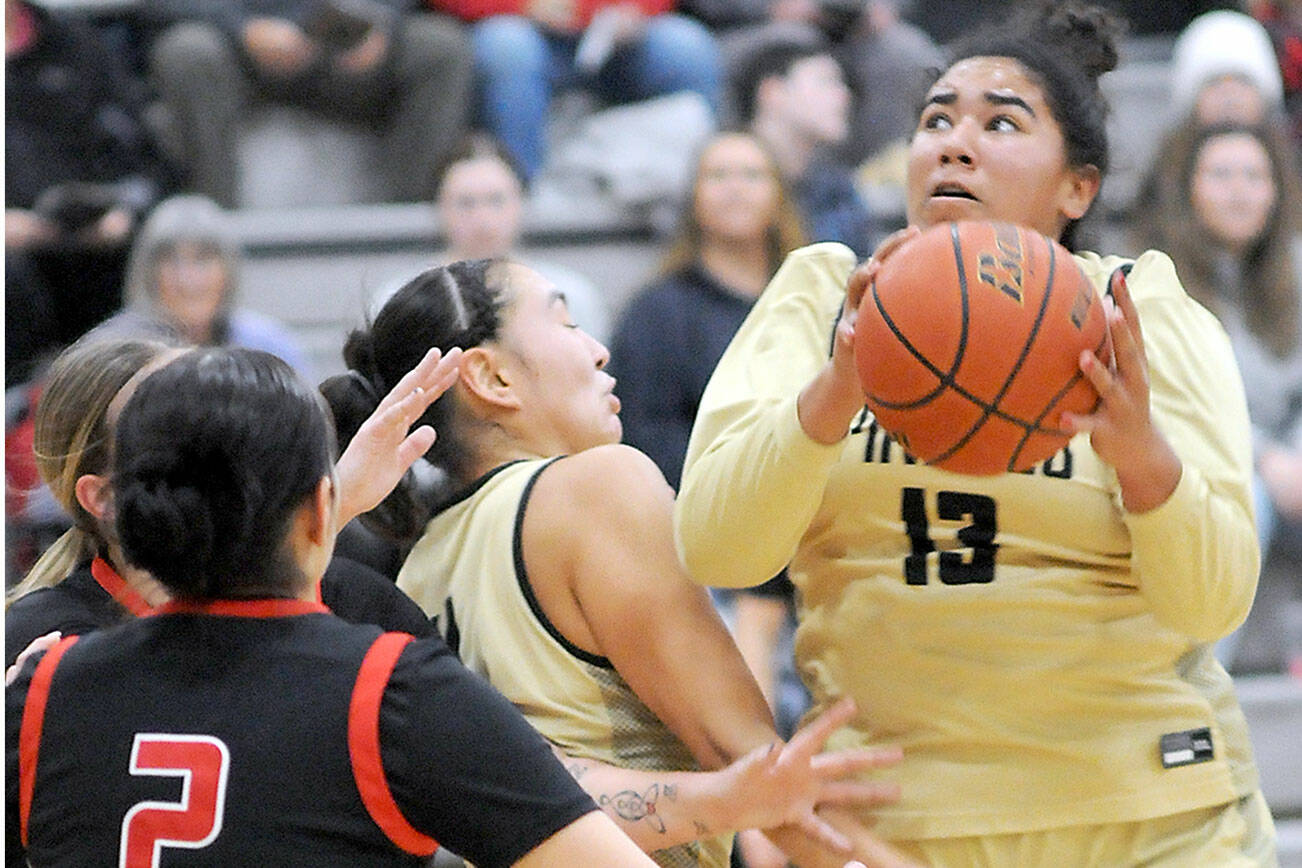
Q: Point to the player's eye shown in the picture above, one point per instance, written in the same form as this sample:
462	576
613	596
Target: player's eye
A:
937	121
1002	124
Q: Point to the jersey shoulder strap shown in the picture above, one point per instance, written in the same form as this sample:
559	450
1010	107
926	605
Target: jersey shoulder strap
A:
364	745
29	733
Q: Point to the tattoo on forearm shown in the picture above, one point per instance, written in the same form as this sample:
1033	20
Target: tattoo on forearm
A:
576	770
633	807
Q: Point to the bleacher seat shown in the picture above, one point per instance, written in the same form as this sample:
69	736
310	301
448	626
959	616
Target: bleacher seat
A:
291	157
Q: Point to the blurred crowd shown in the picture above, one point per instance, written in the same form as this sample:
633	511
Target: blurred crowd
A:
122	126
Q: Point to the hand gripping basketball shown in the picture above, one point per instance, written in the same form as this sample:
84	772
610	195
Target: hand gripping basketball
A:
968	341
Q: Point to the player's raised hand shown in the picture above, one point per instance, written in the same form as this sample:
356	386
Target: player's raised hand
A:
384	447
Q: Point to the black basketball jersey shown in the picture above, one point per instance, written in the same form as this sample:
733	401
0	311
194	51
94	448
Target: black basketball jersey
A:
271	732
94	596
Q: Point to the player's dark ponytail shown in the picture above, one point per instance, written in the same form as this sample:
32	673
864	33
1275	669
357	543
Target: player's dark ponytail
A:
1066	45
456	305
215	452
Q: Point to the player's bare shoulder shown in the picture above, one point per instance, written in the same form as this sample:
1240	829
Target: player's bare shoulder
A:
604	484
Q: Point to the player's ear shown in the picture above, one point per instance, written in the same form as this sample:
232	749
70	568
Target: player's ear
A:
488	376
95	496
1079	189
321	525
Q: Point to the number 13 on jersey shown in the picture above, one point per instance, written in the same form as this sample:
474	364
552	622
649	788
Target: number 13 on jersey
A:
972	564
202	762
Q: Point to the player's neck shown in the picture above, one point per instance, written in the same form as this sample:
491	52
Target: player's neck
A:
150	589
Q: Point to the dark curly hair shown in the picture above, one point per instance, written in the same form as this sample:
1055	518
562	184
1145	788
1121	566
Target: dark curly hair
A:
1066	47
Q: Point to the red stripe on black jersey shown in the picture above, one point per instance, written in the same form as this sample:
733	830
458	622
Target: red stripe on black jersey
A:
364	745
117	588
265	608
29	735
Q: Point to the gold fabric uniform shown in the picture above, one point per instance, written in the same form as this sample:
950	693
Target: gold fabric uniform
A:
467	570
1027	641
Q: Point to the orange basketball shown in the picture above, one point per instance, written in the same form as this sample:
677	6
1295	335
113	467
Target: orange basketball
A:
968	345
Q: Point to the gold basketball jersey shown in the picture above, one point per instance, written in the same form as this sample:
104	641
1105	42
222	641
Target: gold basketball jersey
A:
467	570
1040	654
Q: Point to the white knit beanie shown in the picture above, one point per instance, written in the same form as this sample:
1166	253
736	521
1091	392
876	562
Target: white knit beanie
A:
1218	44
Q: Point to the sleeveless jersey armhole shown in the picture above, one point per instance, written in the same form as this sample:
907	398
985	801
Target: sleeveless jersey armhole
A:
364	745
29	733
526	588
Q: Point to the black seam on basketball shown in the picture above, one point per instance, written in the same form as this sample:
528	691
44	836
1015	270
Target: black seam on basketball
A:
963	299
993	409
1036	427
904	341
946	380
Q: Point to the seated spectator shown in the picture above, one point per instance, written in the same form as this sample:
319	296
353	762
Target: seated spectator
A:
621	50
183	282
1283	21
886	60
375	62
791	94
1223	70
737	224
1232	227
80	167
481	202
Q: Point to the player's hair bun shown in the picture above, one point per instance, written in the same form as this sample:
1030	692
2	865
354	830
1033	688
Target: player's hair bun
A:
170	514
215	453
355	394
1087	33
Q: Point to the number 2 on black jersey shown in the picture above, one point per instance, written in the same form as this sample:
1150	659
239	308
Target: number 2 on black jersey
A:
975	564
202	762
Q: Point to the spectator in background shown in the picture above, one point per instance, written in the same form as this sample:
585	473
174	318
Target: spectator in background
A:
791	94
80	167
183	282
886	59
624	51
737	225
1283	21
1231	223
481	199
1223	70
371	61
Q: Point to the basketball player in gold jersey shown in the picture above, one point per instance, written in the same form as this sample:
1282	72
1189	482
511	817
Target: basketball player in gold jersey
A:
1038	643
551	569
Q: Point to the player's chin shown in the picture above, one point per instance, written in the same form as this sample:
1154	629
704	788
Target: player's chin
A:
946	209
614	430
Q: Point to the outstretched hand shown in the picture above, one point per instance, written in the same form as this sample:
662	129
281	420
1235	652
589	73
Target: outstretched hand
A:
384	447
1121	428
784	783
